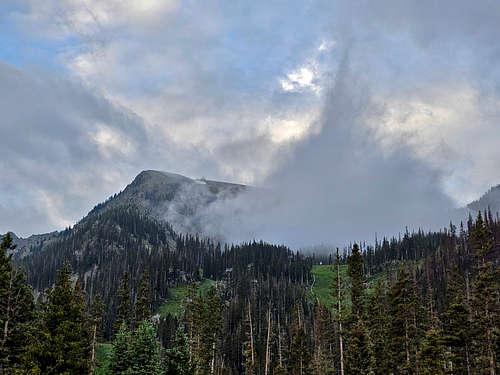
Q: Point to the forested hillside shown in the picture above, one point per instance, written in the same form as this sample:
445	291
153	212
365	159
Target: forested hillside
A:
423	303
122	292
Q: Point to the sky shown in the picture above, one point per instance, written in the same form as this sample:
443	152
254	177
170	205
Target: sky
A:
361	114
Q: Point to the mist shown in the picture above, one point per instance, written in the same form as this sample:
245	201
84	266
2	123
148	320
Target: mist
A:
340	185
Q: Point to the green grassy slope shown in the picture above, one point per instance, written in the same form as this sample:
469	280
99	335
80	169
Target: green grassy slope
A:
177	296
323	277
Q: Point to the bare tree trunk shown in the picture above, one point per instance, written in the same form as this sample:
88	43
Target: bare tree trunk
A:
279	342
213	357
467	358
92	359
407	345
491	355
268	337
7	313
251	335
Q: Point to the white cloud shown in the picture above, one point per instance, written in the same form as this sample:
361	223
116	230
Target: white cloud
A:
111	142
450	127
303	78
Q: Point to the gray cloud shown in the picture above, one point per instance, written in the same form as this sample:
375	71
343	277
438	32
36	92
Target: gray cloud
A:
339	185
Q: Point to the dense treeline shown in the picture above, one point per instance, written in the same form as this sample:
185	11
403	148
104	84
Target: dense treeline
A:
120	240
433	309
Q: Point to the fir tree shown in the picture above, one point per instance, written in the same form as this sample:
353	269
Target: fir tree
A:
485	302
16	309
322	358
378	329
178	358
358	358
337	292
123	312
144	351
456	331
120	353
357	274
300	356
210	332
97	313
406	323
432	353
143	303
61	341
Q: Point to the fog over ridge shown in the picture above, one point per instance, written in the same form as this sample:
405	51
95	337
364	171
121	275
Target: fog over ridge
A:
339	185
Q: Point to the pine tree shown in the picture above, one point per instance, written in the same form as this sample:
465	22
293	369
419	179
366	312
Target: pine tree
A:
123	312
178	358
16	309
120	353
143	303
61	341
144	351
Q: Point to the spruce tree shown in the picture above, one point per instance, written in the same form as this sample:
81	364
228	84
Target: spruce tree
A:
16	309
485	302
357	275
322	358
210	332
300	356
432	353
406	316
120	353
61	341
358	357
337	292
178	358
123	311
97	313
143	303
456	330
144	351
378	329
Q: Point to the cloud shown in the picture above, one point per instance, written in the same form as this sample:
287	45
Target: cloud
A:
339	185
234	91
52	150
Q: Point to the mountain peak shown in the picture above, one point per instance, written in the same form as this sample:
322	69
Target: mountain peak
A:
172	197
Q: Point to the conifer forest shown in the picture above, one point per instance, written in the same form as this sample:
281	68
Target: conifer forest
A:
99	301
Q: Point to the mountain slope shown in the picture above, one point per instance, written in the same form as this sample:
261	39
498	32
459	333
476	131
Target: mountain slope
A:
173	198
491	200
